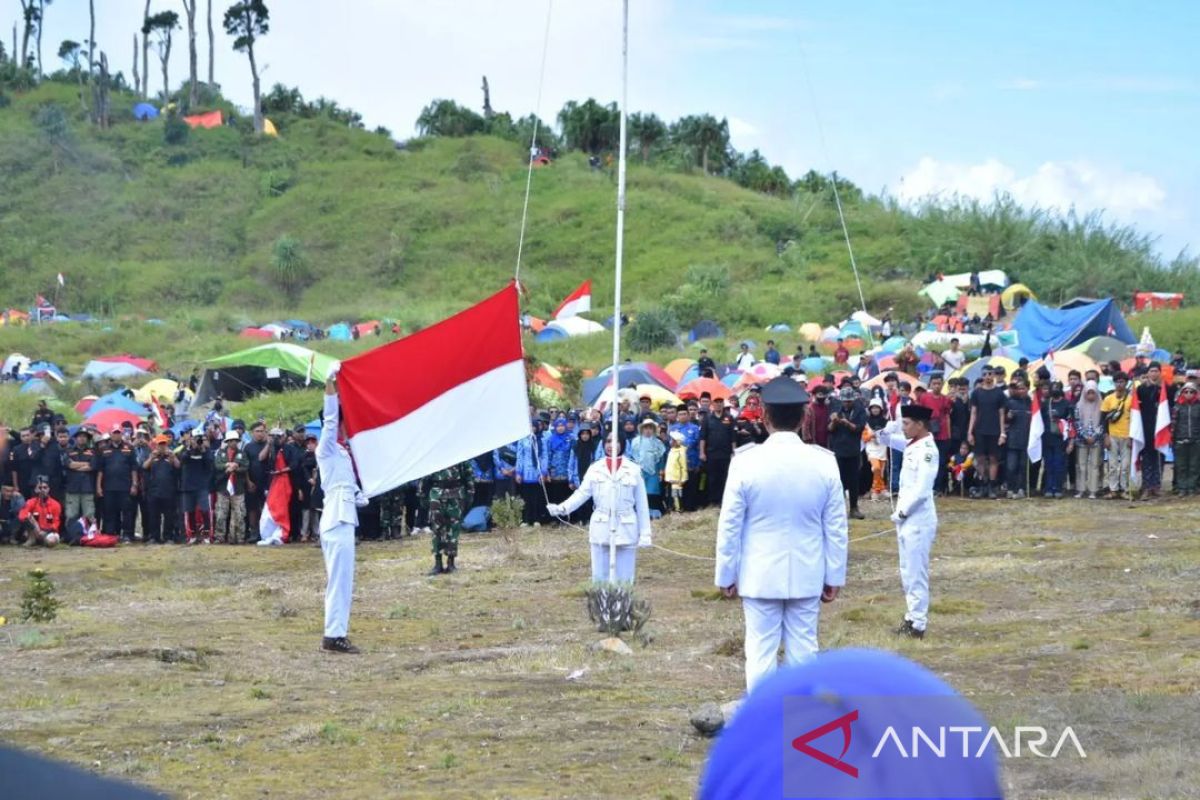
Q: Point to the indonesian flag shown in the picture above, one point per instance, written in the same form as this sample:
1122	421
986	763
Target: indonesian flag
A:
1037	427
160	414
1162	422
1136	433
1049	362
275	522
438	397
576	303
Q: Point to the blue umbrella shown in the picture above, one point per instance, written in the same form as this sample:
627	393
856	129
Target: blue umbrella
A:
814	365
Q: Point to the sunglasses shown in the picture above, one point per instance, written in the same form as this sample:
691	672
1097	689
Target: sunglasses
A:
1189	391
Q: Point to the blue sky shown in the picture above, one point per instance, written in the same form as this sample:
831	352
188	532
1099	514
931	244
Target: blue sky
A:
1094	105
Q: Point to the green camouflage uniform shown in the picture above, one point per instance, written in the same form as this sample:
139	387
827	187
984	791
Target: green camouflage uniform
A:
447	494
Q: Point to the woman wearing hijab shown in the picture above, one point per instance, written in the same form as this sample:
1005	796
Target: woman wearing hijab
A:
615	487
649	453
1089	442
484	467
558	461
529	475
581	461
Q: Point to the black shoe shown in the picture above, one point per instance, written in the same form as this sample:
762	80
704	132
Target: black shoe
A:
438	569
450	564
338	644
913	633
904	627
856	514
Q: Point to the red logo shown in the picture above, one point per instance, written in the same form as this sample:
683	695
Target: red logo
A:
842	723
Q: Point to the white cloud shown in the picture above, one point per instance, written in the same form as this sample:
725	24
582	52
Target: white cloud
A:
741	129
1053	185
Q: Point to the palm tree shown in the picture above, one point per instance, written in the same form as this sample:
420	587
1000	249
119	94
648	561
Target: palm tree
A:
648	130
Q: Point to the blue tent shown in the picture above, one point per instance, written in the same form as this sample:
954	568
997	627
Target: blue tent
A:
116	400
145	111
37	386
705	329
1041	329
549	334
340	333
814	365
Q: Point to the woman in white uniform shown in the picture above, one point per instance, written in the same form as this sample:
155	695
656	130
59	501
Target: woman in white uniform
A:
627	506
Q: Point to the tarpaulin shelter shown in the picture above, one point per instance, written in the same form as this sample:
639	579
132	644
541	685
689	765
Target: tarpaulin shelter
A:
144	111
267	368
1012	297
866	320
1076	302
940	292
44	369
1041	329
810	332
1156	300
213	119
704	329
370	328
568	328
339	333
979	305
98	370
269	128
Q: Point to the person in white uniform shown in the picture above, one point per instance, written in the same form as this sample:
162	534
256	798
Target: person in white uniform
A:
782	536
339	519
626	506
915	515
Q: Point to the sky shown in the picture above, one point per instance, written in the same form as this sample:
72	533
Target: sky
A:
1085	105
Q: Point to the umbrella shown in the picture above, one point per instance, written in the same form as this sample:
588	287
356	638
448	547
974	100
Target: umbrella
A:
701	385
810	332
894	345
162	388
974	370
1102	348
689	375
112	417
758	374
1064	362
117	400
634	374
658	395
679	367
813	365
732	378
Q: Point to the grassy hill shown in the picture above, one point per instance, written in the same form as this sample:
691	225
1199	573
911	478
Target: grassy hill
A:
186	233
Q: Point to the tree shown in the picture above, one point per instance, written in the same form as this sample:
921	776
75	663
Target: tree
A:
647	130
211	39
706	139
145	88
589	126
70	51
31	15
40	25
137	82
448	118
247	22
189	9
52	122
91	43
161	25
289	267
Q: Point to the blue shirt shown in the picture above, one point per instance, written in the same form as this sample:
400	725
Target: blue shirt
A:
691	441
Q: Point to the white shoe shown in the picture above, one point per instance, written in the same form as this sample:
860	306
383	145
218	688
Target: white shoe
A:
270	543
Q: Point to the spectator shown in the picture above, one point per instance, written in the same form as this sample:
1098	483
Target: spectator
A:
953	356
876	450
1014	437
1185	430
117	483
161	472
705	364
939	406
42	416
907	360
772	355
1148	394
984	428
42	515
649	453
258	477
1089	442
841	356
814	428
846	425
231	467
716	449
24	461
1057	438
195	481
960	469
11	503
1116	412
79	484
745	358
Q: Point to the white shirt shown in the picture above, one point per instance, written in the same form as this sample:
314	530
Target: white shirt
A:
628	504
782	531
953	358
745	360
917	474
337	473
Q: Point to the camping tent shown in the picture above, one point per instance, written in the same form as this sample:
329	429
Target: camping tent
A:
212	119
704	329
339	333
1156	300
111	370
144	111
37	386
810	332
267	368
1103	349
146	364
1041	328
269	128
866	320
44	369
1014	296
568	328
116	401
18	362
162	388
697	387
257	333
940	292
1076	302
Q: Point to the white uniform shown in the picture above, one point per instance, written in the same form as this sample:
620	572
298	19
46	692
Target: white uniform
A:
916	520
631	512
339	518
782	537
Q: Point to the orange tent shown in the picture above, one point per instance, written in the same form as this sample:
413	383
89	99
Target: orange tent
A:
700	385
679	367
213	119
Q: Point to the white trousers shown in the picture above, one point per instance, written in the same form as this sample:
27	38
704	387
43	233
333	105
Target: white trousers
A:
915	540
337	546
626	562
768	622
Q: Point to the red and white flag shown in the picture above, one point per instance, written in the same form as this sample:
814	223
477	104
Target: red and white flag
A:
275	524
576	303
160	414
1049	362
1136	433
1162	422
1037	427
438	397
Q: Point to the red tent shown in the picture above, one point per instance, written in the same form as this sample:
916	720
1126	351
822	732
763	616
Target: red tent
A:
107	419
212	119
256	333
693	389
1156	300
141	363
85	403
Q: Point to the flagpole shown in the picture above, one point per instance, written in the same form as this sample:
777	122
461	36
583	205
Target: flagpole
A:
616	374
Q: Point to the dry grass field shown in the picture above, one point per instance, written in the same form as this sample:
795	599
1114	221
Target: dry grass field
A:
196	671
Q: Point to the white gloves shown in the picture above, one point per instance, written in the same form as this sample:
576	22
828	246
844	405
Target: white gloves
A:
897	517
555	510
334	368
360	499
644	541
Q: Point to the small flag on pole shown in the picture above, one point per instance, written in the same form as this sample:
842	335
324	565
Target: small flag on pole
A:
1136	433
1037	427
61	280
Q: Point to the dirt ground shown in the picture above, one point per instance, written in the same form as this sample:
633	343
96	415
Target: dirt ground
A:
196	670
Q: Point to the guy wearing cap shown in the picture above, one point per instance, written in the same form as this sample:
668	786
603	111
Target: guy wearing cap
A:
117	483
80	482
781	536
231	467
161	470
716	448
915	515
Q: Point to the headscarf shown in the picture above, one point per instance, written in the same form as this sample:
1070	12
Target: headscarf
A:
746	762
585	450
1087	412
559	442
1187	399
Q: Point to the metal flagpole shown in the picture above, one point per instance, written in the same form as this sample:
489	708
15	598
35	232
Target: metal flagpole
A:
616	375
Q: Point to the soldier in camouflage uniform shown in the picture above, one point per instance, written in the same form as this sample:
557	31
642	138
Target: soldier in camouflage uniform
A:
448	492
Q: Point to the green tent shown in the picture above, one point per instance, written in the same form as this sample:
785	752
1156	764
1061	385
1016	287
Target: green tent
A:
941	292
268	368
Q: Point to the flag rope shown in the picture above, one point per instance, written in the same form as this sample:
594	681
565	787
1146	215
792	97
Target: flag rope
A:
537	108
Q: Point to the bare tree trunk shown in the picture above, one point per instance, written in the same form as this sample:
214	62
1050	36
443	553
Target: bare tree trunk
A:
146	55
258	115
211	81
91	38
165	57
100	92
190	9
22	57
487	100
41	24
16	57
137	81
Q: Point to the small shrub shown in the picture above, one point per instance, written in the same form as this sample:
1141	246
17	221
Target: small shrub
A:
175	131
506	512
652	329
38	603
